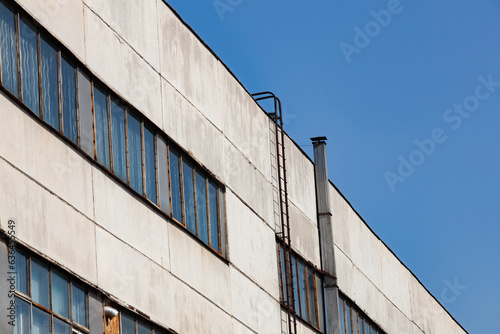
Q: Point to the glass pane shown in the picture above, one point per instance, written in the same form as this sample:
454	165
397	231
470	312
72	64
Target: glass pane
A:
374	330
21	275
29	66
60	294
85	109
41	321
50	91
222	225
295	286
360	323
8	49
321	311
101	127
40	284
128	324
163	175
303	291
342	317
60	327
149	156
143	328
187	175
135	152
348	317
201	206
175	184
312	297
283	275
214	228
68	100
79	306
23	322
118	136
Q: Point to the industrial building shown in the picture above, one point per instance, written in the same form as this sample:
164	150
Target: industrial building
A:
143	189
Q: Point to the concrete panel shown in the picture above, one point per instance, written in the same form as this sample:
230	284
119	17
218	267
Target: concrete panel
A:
135	21
195	314
190	129
46	223
134	279
129	219
252	306
395	279
340	217
121	68
245	124
304	329
245	180
300	177
252	245
63	19
199	268
188	65
305	236
40	154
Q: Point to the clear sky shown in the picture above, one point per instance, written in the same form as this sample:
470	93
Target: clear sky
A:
409	98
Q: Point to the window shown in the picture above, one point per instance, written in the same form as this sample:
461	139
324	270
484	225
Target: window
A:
353	321
118	135
21	281
150	164
134	151
46	79
29	66
50	90
53	303
101	127
68	100
8	49
131	324
175	181
307	289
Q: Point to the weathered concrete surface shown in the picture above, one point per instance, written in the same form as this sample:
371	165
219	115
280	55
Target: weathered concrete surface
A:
44	157
119	212
121	68
46	223
304	236
139	30
62	18
252	245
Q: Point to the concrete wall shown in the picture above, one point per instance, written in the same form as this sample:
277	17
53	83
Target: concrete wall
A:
67	208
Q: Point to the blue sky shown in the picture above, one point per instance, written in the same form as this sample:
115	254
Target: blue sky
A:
420	76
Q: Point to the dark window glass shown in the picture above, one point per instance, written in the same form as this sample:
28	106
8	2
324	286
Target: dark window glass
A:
303	291
214	228
150	166
68	100
175	184
79	305
8	49
312	297
342	318
128	324
60	294
348	317
222	226
85	109
50	91
163	175
29	66
40	284
21	276
321	311
135	152
295	287
201	206
143	328
187	175
101	127
118	136
283	274
23	318
360	323
60	327
41	321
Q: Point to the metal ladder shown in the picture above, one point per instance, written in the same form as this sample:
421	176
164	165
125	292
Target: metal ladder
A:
289	324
